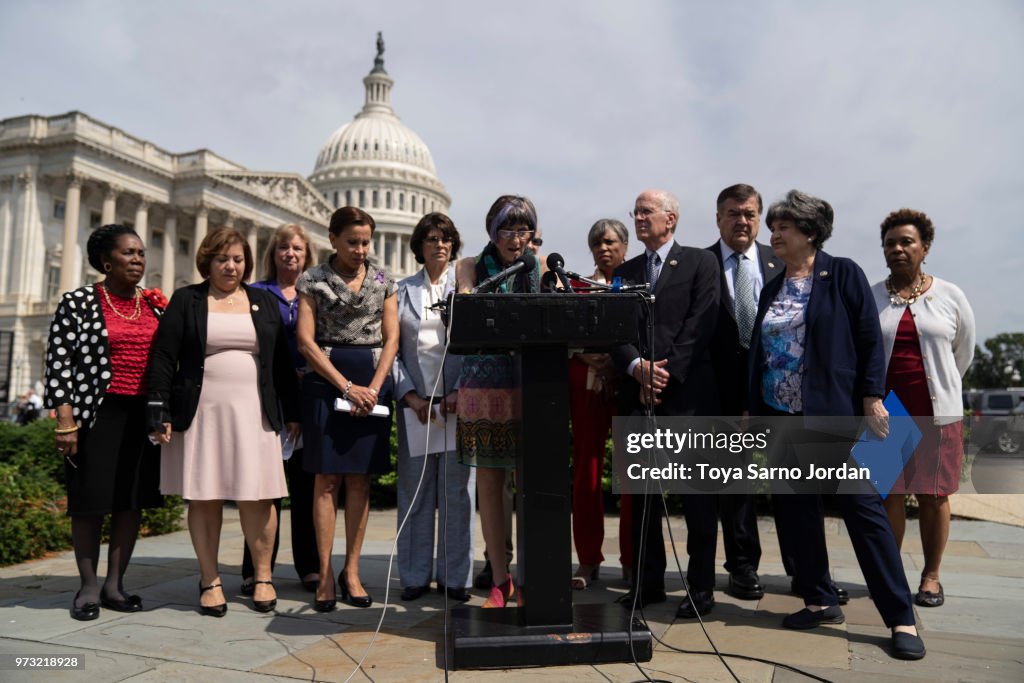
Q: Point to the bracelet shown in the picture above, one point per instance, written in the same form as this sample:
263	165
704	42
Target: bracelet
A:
344	392
65	430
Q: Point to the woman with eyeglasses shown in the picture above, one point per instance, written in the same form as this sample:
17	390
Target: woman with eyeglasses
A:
287	256
426	384
488	407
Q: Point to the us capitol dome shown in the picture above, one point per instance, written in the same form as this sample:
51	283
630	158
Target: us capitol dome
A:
377	163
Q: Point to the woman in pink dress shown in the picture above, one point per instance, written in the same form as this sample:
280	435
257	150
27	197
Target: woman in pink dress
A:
225	383
928	334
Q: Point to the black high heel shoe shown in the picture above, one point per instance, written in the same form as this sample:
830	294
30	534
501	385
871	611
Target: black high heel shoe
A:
324	605
263	605
360	601
215	610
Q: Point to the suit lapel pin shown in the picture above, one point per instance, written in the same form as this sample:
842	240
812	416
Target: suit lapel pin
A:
673	263
771	265
255	307
823	275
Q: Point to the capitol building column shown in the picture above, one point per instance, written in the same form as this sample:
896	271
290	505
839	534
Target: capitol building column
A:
200	234
252	236
141	224
110	212
72	206
170	252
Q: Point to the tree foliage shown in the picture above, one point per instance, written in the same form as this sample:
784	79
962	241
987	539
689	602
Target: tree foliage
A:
999	364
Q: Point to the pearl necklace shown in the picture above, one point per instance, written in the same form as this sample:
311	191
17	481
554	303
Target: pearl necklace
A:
915	293
137	297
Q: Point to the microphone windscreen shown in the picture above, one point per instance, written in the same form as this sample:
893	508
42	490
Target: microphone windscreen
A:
555	261
528	259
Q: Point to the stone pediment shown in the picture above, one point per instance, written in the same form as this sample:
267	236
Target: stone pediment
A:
287	190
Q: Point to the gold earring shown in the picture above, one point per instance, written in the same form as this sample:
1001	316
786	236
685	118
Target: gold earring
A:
107	267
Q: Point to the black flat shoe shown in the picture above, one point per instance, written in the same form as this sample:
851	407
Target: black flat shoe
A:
410	593
646	598
907	646
930	599
457	594
745	585
263	605
131	603
842	595
806	619
214	610
355	601
703	602
86	612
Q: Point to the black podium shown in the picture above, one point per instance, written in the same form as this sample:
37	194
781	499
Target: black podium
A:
546	628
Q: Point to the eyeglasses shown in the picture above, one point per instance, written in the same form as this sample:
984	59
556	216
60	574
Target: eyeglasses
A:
537	241
511	234
437	240
643	212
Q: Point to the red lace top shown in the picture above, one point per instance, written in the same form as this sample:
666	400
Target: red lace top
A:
129	342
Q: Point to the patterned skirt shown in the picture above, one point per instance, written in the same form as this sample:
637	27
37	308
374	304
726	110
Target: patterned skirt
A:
487	432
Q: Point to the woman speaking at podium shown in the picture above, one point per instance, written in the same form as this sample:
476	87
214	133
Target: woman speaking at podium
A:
488	406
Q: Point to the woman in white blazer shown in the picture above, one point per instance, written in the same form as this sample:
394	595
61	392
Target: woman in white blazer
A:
426	386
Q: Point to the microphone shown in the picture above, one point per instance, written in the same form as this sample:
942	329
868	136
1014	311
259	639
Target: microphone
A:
524	262
556	264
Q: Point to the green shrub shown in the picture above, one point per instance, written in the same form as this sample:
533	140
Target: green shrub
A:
32	516
33	501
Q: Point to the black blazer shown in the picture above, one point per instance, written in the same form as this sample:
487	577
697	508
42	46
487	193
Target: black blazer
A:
685	310
729	358
179	354
843	356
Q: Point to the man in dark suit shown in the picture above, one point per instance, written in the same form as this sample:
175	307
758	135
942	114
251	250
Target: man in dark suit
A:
670	374
747	266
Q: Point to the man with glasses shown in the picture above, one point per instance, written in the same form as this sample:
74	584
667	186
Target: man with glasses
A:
673	373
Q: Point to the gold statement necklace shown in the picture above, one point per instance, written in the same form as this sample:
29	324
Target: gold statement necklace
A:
915	293
134	315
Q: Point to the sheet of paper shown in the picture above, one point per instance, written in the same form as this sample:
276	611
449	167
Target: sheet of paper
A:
442	433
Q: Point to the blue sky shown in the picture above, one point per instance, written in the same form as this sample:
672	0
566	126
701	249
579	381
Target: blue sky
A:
581	105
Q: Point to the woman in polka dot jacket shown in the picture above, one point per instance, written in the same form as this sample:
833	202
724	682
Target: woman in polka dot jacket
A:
96	367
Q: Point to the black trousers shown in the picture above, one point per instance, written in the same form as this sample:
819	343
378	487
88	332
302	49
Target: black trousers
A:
801	527
701	511
300	492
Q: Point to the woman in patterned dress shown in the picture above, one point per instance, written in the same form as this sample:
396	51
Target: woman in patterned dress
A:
348	332
488	408
96	364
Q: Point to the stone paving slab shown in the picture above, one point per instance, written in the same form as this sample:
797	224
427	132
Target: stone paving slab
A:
946	659
977	636
97	665
968	616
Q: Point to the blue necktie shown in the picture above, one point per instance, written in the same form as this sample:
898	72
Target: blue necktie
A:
652	270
